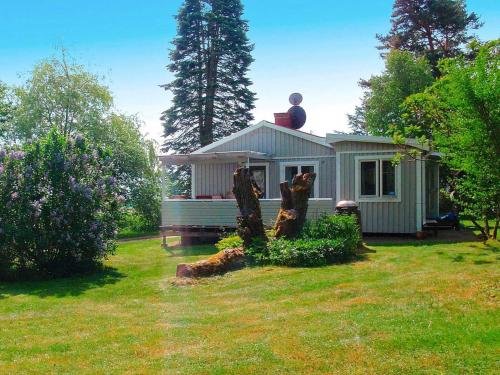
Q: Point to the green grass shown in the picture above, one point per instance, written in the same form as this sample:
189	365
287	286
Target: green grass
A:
412	308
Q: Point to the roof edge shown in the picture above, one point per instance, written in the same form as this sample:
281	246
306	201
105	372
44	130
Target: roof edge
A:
309	137
336	138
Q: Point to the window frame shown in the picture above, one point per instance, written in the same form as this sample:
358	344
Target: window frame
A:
299	164
378	159
266	195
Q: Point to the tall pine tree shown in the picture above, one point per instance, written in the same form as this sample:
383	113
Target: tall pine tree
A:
210	61
430	28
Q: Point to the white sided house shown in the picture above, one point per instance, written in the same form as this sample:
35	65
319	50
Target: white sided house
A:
392	199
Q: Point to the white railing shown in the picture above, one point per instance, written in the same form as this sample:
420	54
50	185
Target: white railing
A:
223	212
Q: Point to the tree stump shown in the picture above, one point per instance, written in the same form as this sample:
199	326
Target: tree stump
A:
294	204
247	193
250	226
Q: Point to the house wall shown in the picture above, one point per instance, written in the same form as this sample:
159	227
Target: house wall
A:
217	179
378	217
275	143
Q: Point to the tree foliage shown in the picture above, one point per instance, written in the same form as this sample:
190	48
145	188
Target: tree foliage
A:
471	144
434	29
210	61
380	112
64	95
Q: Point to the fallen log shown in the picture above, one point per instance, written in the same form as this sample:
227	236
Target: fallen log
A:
220	263
294	204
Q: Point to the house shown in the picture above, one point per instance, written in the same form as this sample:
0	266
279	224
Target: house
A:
392	198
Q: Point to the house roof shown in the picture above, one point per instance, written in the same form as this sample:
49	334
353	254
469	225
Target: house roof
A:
223	157
265	124
336	138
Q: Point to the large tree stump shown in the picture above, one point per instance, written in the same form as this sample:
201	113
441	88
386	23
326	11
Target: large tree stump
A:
294	204
247	193
250	226
223	261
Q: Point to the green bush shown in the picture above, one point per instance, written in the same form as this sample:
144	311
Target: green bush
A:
309	252
231	241
332	227
59	206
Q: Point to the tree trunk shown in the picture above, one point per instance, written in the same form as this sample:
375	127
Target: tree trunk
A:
497	221
486	224
294	204
250	227
247	193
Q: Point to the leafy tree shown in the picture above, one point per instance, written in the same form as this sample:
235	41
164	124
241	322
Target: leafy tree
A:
65	96
472	147
62	95
6	109
431	28
380	112
210	60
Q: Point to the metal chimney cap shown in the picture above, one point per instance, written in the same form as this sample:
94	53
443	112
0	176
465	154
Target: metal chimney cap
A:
295	98
342	204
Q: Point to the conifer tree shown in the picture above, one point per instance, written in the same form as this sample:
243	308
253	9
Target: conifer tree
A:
210	61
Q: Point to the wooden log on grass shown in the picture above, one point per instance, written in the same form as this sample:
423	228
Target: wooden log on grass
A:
223	261
294	204
250	227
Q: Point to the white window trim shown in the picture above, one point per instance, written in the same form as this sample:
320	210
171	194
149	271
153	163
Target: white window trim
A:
266	196
302	163
377	197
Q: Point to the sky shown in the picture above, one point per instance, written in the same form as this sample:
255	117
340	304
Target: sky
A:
319	48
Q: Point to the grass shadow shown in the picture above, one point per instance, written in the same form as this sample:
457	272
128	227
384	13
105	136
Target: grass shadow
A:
63	287
179	251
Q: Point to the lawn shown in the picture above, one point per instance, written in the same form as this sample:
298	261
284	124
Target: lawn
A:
408	308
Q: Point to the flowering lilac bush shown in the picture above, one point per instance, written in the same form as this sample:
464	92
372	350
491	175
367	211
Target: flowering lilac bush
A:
59	207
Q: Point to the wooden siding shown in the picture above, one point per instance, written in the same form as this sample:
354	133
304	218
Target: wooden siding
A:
222	213
275	143
217	179
382	217
214	179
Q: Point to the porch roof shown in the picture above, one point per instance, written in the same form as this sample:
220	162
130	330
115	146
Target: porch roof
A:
213	157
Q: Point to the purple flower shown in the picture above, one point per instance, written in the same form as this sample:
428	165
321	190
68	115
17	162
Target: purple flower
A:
85	157
14	195
1	168
120	199
3	154
17	155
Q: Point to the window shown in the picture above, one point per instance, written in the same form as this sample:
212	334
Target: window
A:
388	178
259	173
377	179
368	178
290	169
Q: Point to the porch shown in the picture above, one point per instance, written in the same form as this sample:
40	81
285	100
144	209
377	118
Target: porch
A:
179	215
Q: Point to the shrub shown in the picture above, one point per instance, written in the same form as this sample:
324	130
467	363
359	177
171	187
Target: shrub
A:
59	206
309	252
231	241
333	227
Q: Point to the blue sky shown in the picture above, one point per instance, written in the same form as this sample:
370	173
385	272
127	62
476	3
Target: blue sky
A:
320	48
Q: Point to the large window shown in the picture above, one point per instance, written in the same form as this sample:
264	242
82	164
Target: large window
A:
259	173
290	169
377	179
